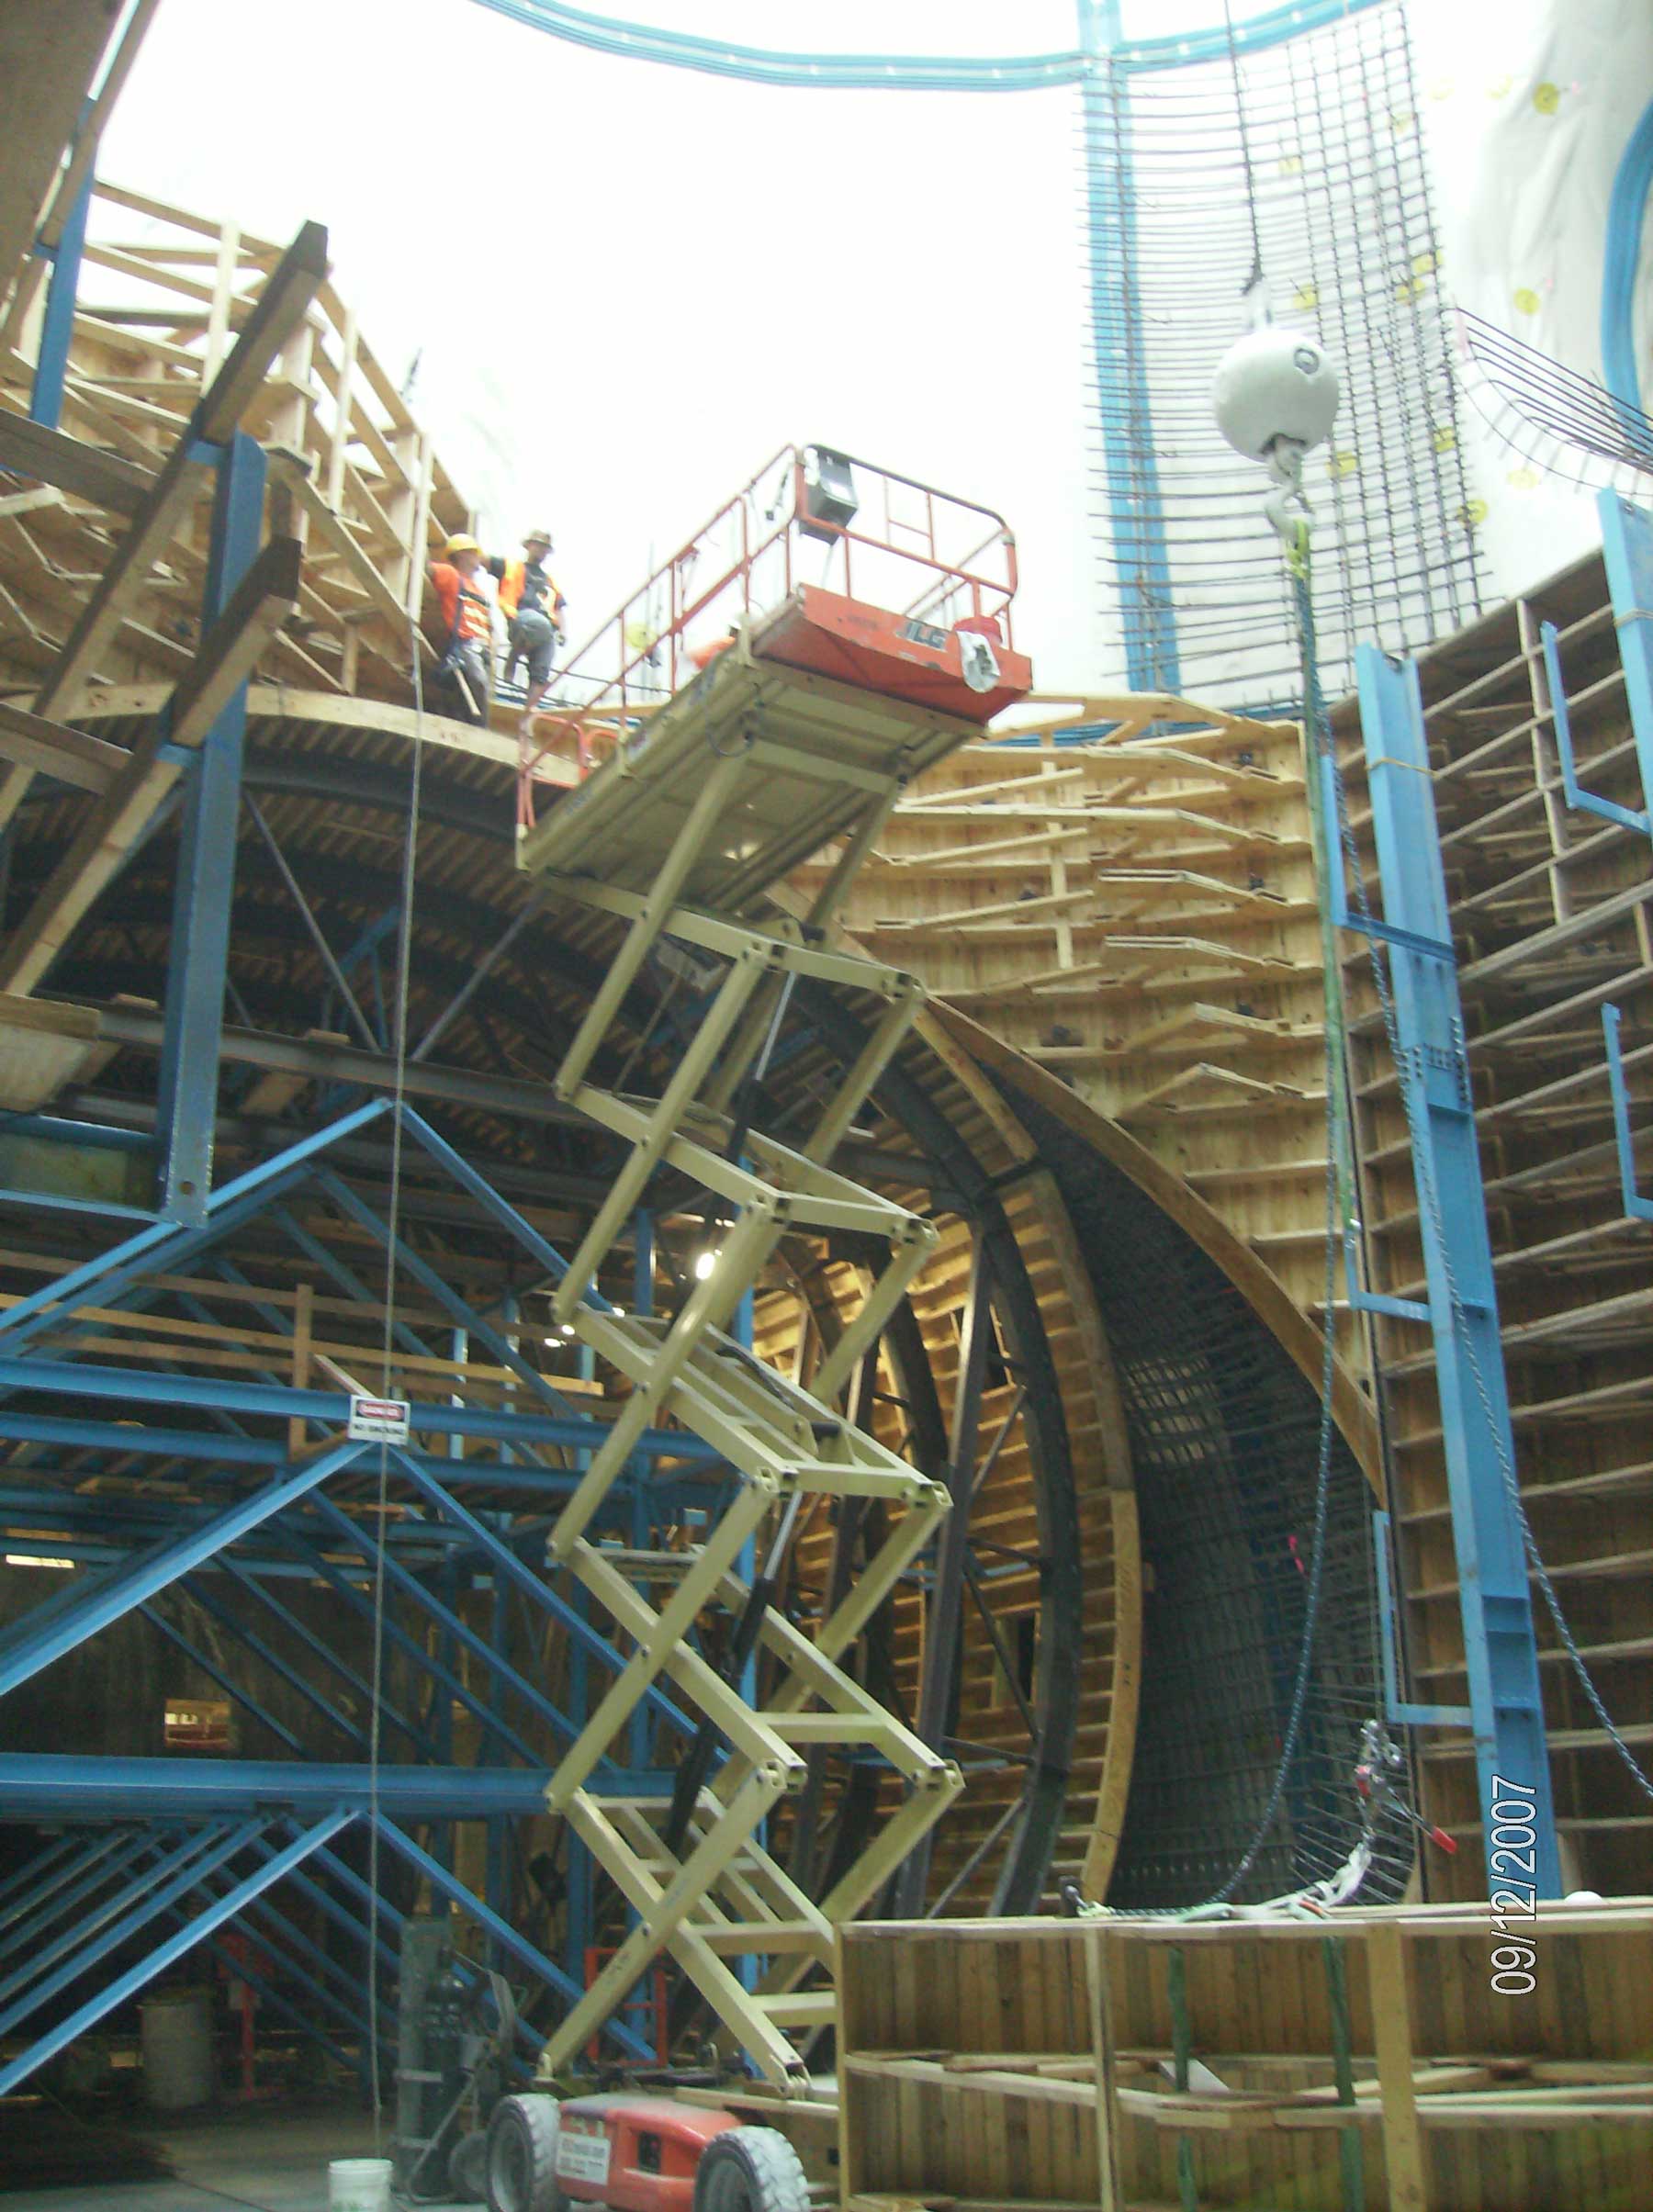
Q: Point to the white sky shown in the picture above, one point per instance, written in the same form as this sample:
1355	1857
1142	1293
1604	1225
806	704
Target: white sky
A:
630	284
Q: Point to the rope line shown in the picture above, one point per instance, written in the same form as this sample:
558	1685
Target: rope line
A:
404	949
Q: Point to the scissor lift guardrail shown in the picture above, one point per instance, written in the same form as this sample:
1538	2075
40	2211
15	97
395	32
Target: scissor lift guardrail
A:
682	835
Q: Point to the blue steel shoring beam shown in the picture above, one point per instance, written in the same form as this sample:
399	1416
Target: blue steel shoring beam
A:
225	1395
431	1280
1501	1649
237	1692
56	325
51	1785
207	1923
422	1661
354	1885
50	1631
198	953
500	1931
499	1667
318	1648
509	1567
32	1874
164	1245
253	1642
100	1857
119	1919
289	1943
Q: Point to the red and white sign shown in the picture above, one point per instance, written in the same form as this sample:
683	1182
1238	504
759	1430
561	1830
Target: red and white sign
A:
379	1421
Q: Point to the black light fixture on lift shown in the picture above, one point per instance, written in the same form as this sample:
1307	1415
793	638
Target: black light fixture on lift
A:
830	501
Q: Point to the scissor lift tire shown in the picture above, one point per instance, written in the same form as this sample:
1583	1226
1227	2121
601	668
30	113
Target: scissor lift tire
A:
750	2169
521	2156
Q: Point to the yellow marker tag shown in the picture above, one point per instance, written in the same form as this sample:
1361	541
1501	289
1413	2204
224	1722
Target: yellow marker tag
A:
1343	463
1473	514
1526	300
1547	98
1306	296
1445	438
1425	264
1525	480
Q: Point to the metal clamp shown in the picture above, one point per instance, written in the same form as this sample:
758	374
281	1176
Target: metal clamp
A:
1398	1709
1409	940
1636	1205
1581	801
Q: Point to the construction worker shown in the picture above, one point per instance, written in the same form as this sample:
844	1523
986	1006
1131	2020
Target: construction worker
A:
467	617
532	606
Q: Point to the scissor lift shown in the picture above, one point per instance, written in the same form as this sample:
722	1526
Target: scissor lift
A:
800	730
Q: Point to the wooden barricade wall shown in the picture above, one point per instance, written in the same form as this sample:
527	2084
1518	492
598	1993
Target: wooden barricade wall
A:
984	2064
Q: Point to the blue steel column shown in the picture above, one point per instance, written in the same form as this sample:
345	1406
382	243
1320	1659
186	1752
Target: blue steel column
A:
1506	1704
1136	513
57	328
206	883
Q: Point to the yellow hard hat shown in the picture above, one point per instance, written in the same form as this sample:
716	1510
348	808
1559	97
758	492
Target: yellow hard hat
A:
460	545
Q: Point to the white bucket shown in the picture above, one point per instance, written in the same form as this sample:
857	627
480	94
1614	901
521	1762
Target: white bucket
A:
176	2037
358	2185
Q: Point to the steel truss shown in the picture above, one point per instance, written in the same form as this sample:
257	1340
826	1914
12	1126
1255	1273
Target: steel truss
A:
631	1540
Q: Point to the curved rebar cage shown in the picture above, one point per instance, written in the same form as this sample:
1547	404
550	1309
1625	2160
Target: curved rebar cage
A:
1312	123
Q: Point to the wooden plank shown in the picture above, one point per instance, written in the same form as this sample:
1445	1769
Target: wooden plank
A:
49	55
1110	2194
283	302
52	748
1391	2030
266	595
53	457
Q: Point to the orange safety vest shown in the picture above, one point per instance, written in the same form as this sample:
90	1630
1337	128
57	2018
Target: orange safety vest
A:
515	582
464	606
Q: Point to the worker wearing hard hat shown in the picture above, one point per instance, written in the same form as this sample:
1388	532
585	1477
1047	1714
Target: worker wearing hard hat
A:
467	617
533	607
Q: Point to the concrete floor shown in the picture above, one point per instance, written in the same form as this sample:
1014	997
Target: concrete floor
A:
263	2161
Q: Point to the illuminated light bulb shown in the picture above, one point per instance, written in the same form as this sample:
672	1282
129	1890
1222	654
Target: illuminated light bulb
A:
705	1262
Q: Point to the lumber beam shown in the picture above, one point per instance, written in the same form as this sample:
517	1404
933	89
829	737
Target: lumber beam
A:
49	57
293	284
52	748
266	595
53	457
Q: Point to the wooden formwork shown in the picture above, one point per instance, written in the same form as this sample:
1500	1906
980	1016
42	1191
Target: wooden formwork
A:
1285	2066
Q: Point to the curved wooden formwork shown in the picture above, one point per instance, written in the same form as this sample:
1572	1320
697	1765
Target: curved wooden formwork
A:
1136	936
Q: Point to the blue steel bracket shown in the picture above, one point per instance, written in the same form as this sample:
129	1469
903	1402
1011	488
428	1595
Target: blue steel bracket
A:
1576	797
1636	1205
1337	894
1376	1301
1398	1709
1627	550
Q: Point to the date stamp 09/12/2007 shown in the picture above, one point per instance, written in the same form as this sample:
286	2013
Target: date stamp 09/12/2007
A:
1511	1859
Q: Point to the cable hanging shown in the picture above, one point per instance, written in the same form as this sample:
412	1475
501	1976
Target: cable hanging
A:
404	962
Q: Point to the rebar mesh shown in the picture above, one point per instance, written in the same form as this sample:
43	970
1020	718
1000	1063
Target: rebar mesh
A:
1224	1434
1327	124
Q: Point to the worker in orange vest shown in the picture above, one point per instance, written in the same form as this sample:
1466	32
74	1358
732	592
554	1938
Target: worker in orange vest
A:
467	619
532	606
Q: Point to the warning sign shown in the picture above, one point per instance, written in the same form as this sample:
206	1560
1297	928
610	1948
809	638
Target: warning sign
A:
379	1421
581	2157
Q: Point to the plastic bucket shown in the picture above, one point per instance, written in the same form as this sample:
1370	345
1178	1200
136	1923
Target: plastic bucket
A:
176	2037
358	2185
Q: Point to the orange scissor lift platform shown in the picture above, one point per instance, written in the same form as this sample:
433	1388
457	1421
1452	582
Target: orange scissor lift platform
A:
832	702
792	726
